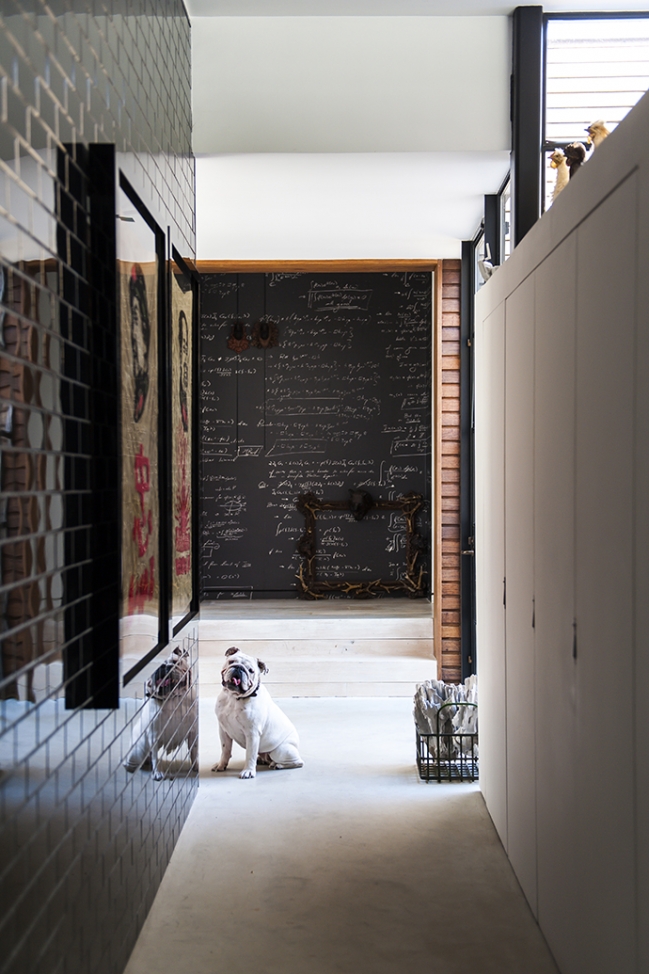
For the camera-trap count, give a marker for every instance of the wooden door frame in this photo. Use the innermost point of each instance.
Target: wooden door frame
(378, 267)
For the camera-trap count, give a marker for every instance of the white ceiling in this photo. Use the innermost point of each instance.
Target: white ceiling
(352, 84)
(341, 129)
(392, 8)
(342, 206)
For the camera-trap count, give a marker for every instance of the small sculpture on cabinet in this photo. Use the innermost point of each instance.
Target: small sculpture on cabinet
(597, 132)
(575, 156)
(558, 162)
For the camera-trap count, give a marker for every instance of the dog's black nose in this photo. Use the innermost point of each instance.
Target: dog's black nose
(236, 675)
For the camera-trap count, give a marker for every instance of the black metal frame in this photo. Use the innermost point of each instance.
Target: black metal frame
(479, 237)
(106, 564)
(492, 228)
(164, 459)
(467, 462)
(526, 112)
(91, 658)
(437, 767)
(506, 184)
(195, 479)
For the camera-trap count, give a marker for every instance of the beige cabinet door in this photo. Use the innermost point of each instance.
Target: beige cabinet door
(606, 281)
(554, 600)
(490, 561)
(519, 574)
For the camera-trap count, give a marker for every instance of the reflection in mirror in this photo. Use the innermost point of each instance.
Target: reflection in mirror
(31, 557)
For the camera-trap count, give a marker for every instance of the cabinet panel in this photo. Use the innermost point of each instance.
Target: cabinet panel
(554, 539)
(604, 582)
(490, 562)
(641, 527)
(519, 573)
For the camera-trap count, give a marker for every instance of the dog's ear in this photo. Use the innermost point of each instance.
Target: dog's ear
(231, 651)
(262, 666)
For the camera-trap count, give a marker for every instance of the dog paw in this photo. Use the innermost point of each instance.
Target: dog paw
(158, 775)
(219, 767)
(247, 774)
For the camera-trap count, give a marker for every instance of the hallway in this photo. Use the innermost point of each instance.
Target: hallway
(348, 864)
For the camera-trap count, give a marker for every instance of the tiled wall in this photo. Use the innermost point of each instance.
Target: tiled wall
(83, 842)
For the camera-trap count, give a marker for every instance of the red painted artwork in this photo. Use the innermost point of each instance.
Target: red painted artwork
(183, 515)
(142, 586)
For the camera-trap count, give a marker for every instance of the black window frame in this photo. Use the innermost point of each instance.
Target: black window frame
(550, 145)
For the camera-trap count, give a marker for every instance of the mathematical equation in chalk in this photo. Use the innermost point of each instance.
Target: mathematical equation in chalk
(341, 402)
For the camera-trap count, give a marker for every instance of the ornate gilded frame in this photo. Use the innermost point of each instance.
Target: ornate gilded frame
(413, 583)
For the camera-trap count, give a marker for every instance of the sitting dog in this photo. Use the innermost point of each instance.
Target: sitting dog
(168, 718)
(247, 715)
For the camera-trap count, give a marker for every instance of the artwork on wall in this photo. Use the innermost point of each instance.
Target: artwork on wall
(238, 341)
(412, 581)
(183, 349)
(265, 334)
(332, 393)
(140, 267)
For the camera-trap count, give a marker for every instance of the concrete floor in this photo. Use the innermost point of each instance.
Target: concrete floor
(349, 864)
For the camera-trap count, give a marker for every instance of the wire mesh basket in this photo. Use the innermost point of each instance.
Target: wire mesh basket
(447, 756)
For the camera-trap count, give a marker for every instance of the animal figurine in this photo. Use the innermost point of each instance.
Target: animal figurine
(558, 162)
(597, 132)
(360, 502)
(238, 340)
(485, 265)
(575, 156)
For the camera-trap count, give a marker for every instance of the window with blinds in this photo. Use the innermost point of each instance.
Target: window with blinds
(596, 69)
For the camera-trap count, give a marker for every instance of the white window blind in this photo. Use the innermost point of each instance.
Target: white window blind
(595, 69)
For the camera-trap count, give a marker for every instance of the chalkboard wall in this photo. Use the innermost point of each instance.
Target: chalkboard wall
(342, 401)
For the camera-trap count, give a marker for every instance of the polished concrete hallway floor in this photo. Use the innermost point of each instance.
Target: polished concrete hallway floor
(348, 865)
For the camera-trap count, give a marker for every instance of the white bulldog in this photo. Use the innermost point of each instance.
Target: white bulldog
(248, 715)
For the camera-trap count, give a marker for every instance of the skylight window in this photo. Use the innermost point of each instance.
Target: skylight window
(595, 69)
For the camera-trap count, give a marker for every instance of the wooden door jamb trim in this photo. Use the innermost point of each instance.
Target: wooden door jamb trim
(379, 266)
(437, 470)
(313, 266)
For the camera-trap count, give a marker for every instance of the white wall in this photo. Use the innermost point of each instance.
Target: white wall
(350, 84)
(347, 137)
(389, 8)
(341, 206)
(566, 521)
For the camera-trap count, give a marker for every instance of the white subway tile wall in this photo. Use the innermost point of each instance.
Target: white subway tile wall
(83, 842)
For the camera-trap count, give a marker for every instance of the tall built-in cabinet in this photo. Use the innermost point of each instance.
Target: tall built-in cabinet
(554, 595)
(519, 583)
(490, 537)
(562, 492)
